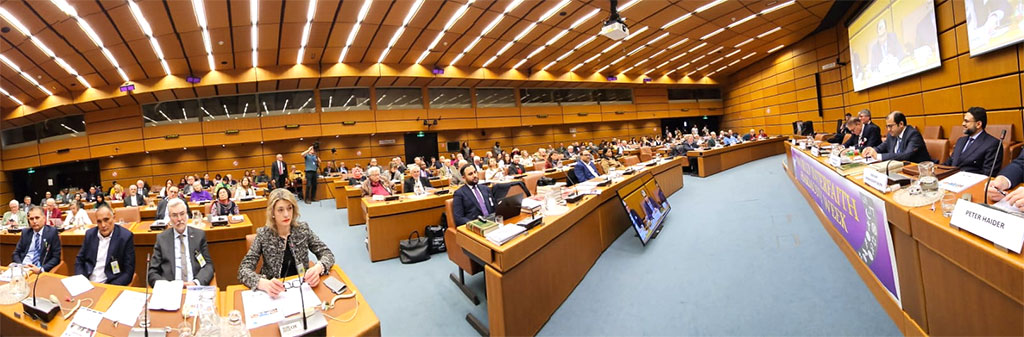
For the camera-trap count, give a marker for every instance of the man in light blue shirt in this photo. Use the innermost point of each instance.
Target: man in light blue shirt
(312, 167)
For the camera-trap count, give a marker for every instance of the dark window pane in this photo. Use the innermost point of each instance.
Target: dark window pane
(399, 98)
(344, 99)
(449, 98)
(495, 97)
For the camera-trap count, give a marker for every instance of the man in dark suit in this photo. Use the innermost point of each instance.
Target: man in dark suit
(886, 49)
(870, 135)
(903, 143)
(977, 151)
(161, 207)
(279, 172)
(91, 195)
(585, 169)
(180, 252)
(516, 167)
(855, 127)
(1011, 176)
(471, 200)
(409, 185)
(39, 246)
(134, 198)
(108, 251)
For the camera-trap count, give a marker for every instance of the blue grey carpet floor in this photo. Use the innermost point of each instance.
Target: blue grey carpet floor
(742, 253)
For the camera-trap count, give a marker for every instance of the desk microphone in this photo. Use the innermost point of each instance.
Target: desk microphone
(44, 311)
(46, 249)
(302, 301)
(993, 168)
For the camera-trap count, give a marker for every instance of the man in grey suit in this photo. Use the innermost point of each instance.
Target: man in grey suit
(181, 252)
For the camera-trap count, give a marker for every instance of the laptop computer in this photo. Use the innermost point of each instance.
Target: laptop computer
(509, 206)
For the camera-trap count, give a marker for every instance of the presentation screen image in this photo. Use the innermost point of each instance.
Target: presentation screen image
(892, 39)
(646, 206)
(992, 24)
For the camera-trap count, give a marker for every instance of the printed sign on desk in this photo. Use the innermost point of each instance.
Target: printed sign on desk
(857, 214)
(1003, 229)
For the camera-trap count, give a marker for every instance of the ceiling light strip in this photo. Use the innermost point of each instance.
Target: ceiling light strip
(762, 35)
(778, 7)
(447, 26)
(487, 29)
(776, 48)
(15, 99)
(27, 77)
(310, 12)
(65, 7)
(405, 23)
(200, 12)
(551, 12)
(42, 46)
(254, 15)
(140, 19)
(355, 29)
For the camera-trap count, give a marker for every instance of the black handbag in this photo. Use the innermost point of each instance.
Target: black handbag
(435, 238)
(413, 250)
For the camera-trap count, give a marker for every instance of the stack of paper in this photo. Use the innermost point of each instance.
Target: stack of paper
(194, 296)
(261, 309)
(126, 307)
(504, 233)
(84, 324)
(76, 285)
(961, 181)
(166, 295)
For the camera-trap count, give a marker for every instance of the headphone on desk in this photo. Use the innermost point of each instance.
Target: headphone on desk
(330, 304)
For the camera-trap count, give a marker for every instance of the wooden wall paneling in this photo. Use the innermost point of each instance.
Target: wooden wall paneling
(347, 116)
(497, 112)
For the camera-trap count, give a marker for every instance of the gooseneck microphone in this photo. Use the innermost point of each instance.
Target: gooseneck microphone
(46, 249)
(145, 308)
(46, 310)
(992, 169)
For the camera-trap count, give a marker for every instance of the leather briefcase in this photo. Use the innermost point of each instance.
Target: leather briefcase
(414, 250)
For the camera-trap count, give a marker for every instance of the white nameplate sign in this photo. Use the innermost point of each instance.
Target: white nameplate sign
(1001, 228)
(877, 180)
(815, 151)
(835, 161)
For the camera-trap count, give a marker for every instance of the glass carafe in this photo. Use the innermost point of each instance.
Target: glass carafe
(926, 176)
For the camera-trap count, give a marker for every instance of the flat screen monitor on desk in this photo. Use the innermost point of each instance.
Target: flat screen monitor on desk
(646, 206)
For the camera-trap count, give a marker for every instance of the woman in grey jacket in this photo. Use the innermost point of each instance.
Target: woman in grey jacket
(283, 244)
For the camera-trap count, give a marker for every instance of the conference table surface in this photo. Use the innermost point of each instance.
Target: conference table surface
(226, 245)
(719, 159)
(530, 276)
(951, 281)
(363, 323)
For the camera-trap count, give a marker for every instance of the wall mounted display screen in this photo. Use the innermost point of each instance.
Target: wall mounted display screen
(892, 39)
(993, 24)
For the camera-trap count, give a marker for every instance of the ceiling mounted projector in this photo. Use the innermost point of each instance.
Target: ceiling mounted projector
(615, 30)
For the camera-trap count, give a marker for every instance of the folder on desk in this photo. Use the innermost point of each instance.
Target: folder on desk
(503, 234)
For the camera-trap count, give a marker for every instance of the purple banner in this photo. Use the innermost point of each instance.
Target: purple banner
(856, 213)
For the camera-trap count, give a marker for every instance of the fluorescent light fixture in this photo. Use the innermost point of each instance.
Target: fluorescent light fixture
(401, 29)
(576, 67)
(254, 14)
(662, 36)
(717, 60)
(749, 55)
(776, 48)
(447, 26)
(583, 19)
(65, 7)
(627, 5)
(702, 67)
(709, 35)
(708, 6)
(638, 49)
(200, 13)
(310, 12)
(42, 46)
(778, 7)
(140, 19)
(603, 68)
(698, 59)
(516, 66)
(548, 65)
(618, 59)
(677, 20)
(684, 40)
(678, 56)
(24, 75)
(495, 57)
(741, 44)
(635, 33)
(494, 22)
(616, 44)
(734, 52)
(734, 62)
(741, 21)
(762, 35)
(716, 50)
(15, 99)
(690, 73)
(699, 46)
(355, 28)
(720, 69)
(662, 64)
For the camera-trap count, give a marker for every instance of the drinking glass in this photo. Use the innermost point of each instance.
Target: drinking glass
(948, 203)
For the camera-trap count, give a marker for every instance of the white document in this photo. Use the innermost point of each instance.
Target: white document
(259, 309)
(166, 295)
(504, 233)
(76, 285)
(84, 324)
(961, 181)
(126, 307)
(193, 297)
(1006, 207)
(290, 302)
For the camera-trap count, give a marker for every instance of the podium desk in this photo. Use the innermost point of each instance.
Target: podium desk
(530, 276)
(354, 197)
(363, 320)
(388, 222)
(337, 188)
(720, 159)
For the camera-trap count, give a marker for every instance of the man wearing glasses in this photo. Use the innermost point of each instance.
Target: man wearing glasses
(181, 252)
(904, 142)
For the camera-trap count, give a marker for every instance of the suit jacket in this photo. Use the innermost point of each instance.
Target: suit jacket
(161, 265)
(515, 169)
(50, 237)
(121, 249)
(911, 148)
(409, 184)
(870, 136)
(853, 142)
(978, 157)
(270, 247)
(465, 208)
(1015, 171)
(161, 208)
(138, 198)
(368, 189)
(274, 170)
(22, 221)
(582, 173)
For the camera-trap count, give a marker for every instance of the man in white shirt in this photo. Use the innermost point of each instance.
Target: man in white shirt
(108, 251)
(181, 252)
(134, 198)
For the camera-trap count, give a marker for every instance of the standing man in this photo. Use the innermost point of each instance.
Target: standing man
(312, 167)
(39, 246)
(181, 252)
(977, 151)
(279, 172)
(108, 251)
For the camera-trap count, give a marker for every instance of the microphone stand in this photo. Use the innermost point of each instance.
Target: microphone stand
(46, 249)
(145, 308)
(992, 169)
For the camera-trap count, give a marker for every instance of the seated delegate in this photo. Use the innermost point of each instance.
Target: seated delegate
(284, 244)
(39, 246)
(108, 251)
(181, 252)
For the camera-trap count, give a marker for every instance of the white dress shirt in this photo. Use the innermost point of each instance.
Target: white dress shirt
(182, 271)
(79, 218)
(30, 255)
(98, 275)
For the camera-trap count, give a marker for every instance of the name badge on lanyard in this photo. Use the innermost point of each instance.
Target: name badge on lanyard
(114, 267)
(200, 259)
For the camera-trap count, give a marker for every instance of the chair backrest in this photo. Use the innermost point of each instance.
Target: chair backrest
(629, 160)
(821, 136)
(847, 137)
(515, 189)
(128, 214)
(538, 166)
(531, 181)
(938, 149)
(448, 213)
(455, 253)
(92, 214)
(645, 153)
(932, 132)
(248, 244)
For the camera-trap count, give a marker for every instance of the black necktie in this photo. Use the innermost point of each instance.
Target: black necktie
(969, 141)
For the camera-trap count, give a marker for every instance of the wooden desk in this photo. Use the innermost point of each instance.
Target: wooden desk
(337, 188)
(717, 160)
(529, 277)
(364, 323)
(354, 199)
(951, 282)
(149, 212)
(388, 222)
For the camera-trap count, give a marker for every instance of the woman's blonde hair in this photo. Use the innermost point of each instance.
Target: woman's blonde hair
(279, 195)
